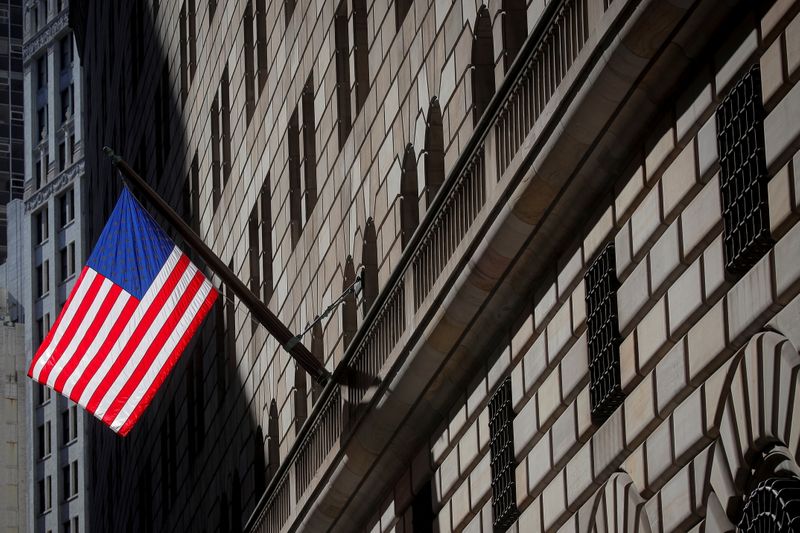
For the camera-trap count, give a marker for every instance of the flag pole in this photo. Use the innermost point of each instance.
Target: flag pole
(258, 308)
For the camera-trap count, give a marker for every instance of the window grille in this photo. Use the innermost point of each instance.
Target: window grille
(743, 174)
(503, 464)
(603, 338)
(774, 505)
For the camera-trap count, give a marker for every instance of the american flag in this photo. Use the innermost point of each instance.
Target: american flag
(135, 306)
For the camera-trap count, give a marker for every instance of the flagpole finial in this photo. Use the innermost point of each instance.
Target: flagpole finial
(113, 156)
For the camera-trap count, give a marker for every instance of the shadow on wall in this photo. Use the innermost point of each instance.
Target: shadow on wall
(203, 452)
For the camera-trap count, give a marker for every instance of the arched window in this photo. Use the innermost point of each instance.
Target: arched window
(370, 258)
(434, 152)
(259, 464)
(295, 193)
(409, 196)
(300, 398)
(309, 149)
(360, 52)
(342, 58)
(349, 318)
(273, 451)
(482, 63)
(515, 29)
(266, 239)
(318, 351)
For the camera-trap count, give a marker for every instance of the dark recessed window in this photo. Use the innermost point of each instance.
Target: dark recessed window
(503, 464)
(603, 338)
(743, 174)
(774, 505)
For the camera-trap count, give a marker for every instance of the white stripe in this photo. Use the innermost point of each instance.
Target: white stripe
(163, 355)
(102, 336)
(146, 341)
(131, 326)
(80, 333)
(67, 316)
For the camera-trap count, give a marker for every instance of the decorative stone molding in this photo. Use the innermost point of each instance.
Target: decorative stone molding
(42, 195)
(45, 35)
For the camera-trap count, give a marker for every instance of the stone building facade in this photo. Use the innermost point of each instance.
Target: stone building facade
(576, 227)
(51, 245)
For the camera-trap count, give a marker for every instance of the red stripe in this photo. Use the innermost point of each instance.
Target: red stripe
(89, 337)
(205, 307)
(105, 349)
(141, 329)
(171, 322)
(46, 342)
(69, 333)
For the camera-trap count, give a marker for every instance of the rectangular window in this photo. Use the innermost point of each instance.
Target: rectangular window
(66, 110)
(602, 337)
(69, 424)
(65, 49)
(44, 440)
(67, 261)
(37, 169)
(42, 225)
(44, 278)
(62, 156)
(743, 174)
(41, 71)
(503, 463)
(66, 480)
(41, 496)
(41, 117)
(74, 478)
(39, 330)
(66, 207)
(67, 526)
(43, 393)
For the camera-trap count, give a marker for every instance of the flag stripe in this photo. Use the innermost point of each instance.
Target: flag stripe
(136, 322)
(100, 319)
(149, 349)
(117, 327)
(158, 375)
(68, 330)
(98, 299)
(63, 322)
(168, 338)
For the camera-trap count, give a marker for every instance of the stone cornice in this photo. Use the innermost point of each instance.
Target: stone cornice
(45, 35)
(42, 195)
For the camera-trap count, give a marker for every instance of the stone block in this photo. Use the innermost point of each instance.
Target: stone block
(522, 339)
(575, 369)
(569, 272)
(659, 454)
(480, 481)
(781, 128)
(440, 445)
(448, 472)
(622, 250)
(544, 304)
(792, 39)
(579, 481)
(468, 448)
(707, 343)
(714, 276)
(578, 300)
(499, 368)
(632, 295)
(583, 414)
(608, 444)
(521, 480)
(460, 506)
(598, 235)
(525, 428)
(443, 519)
(750, 299)
(538, 463)
(530, 517)
(684, 299)
(671, 378)
(665, 257)
(535, 363)
(553, 501)
(771, 72)
(733, 60)
(640, 412)
(701, 218)
(559, 332)
(787, 265)
(781, 210)
(659, 147)
(634, 465)
(517, 386)
(483, 428)
(689, 437)
(707, 150)
(701, 96)
(676, 501)
(651, 336)
(628, 364)
(549, 396)
(646, 223)
(477, 397)
(678, 180)
(563, 435)
(774, 18)
(631, 191)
